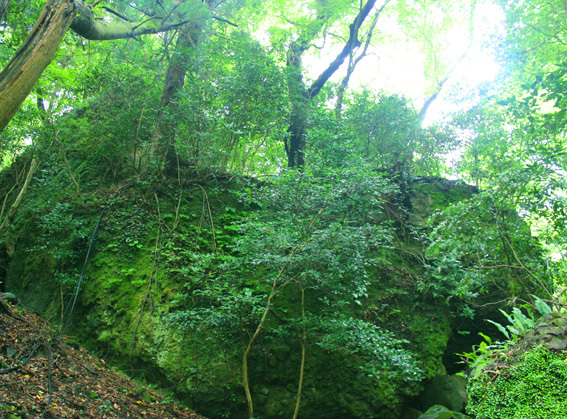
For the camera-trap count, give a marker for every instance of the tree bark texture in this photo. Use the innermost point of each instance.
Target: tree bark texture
(301, 96)
(39, 48)
(4, 5)
(88, 27)
(295, 141)
(37, 51)
(349, 46)
(163, 134)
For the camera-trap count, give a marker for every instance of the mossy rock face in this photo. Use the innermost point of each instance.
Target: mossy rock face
(550, 332)
(130, 289)
(525, 381)
(428, 194)
(445, 390)
(333, 385)
(424, 323)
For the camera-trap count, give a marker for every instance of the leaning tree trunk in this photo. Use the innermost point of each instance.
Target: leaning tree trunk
(39, 48)
(37, 51)
(164, 131)
(353, 62)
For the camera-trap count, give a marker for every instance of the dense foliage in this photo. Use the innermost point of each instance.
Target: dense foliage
(317, 258)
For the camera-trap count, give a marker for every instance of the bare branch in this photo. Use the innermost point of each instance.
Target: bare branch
(109, 10)
(350, 45)
(225, 21)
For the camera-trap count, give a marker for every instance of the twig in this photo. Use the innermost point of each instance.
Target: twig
(225, 21)
(109, 10)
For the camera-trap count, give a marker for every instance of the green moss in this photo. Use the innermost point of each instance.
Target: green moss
(431, 194)
(534, 387)
(424, 323)
(109, 319)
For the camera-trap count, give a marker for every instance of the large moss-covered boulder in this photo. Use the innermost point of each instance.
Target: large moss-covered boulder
(150, 258)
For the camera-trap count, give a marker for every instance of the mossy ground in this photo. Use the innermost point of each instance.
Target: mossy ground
(533, 386)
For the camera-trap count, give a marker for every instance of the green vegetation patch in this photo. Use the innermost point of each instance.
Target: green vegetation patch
(534, 387)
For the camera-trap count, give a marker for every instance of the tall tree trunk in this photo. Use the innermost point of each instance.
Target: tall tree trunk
(37, 51)
(164, 132)
(295, 141)
(301, 96)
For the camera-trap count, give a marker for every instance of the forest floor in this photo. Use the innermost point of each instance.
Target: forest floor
(39, 380)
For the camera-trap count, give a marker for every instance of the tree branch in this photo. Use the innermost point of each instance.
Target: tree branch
(109, 10)
(441, 83)
(350, 45)
(353, 61)
(88, 27)
(225, 21)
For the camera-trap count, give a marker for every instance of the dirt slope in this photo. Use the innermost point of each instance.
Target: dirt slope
(73, 385)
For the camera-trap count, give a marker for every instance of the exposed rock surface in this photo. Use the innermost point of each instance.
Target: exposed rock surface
(445, 390)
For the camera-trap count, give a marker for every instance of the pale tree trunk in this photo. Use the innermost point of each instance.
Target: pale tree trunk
(11, 214)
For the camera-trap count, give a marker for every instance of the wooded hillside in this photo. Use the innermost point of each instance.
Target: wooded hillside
(285, 209)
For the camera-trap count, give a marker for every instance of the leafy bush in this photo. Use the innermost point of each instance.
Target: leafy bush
(299, 268)
(481, 246)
